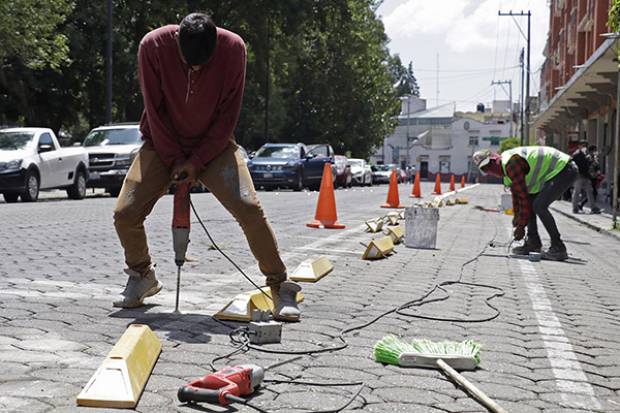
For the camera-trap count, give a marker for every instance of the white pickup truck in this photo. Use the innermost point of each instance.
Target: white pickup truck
(31, 159)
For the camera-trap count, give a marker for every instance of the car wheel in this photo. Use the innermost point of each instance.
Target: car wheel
(31, 191)
(10, 197)
(78, 189)
(114, 192)
(300, 183)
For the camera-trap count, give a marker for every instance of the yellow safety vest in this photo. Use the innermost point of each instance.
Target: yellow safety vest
(545, 163)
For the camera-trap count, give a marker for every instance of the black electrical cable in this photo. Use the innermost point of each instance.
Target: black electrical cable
(224, 254)
(244, 344)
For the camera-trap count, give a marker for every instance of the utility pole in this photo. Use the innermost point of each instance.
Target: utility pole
(525, 133)
(437, 83)
(267, 77)
(108, 67)
(521, 95)
(509, 83)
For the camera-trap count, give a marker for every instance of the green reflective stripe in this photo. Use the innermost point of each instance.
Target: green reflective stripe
(533, 178)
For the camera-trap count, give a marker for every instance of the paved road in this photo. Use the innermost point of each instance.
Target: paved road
(554, 348)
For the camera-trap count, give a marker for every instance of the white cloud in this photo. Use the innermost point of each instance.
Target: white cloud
(423, 17)
(465, 25)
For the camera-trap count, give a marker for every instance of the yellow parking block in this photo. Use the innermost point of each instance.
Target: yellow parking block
(120, 380)
(378, 248)
(241, 306)
(312, 270)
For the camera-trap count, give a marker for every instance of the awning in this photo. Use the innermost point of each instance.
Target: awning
(592, 86)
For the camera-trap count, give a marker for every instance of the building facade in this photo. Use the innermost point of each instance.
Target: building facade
(440, 140)
(579, 82)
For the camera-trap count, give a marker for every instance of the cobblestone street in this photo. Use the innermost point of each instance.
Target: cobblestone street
(554, 348)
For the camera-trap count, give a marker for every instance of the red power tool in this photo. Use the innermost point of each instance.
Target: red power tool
(180, 228)
(224, 386)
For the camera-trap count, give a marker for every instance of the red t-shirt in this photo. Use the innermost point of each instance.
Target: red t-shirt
(190, 114)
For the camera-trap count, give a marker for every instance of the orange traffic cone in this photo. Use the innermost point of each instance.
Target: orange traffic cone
(463, 181)
(437, 190)
(325, 216)
(452, 187)
(416, 193)
(393, 201)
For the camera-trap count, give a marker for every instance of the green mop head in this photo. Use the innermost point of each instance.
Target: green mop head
(425, 353)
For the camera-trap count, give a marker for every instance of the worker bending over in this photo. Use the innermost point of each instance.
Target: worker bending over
(192, 79)
(536, 176)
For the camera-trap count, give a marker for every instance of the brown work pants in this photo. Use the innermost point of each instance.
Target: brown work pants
(228, 179)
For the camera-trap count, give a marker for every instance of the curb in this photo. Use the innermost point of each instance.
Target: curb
(587, 224)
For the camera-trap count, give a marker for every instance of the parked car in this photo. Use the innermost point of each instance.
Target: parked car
(31, 159)
(382, 173)
(361, 172)
(111, 149)
(344, 177)
(288, 165)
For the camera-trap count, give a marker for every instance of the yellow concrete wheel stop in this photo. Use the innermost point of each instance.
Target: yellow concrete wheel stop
(121, 378)
(241, 306)
(393, 218)
(378, 248)
(374, 225)
(396, 233)
(312, 270)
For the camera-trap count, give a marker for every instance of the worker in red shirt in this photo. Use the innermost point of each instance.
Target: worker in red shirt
(192, 79)
(536, 176)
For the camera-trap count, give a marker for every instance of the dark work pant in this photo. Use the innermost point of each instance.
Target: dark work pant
(551, 191)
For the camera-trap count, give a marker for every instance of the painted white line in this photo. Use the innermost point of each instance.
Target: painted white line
(330, 250)
(458, 191)
(571, 381)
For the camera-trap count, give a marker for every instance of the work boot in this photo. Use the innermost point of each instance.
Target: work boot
(284, 297)
(139, 286)
(531, 244)
(556, 252)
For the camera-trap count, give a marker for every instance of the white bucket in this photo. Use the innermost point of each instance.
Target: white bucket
(421, 227)
(507, 202)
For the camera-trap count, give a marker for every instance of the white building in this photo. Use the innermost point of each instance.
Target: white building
(442, 140)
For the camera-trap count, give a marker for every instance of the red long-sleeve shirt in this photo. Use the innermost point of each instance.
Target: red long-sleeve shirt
(190, 114)
(516, 169)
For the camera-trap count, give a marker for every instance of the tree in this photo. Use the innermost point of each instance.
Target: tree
(32, 45)
(509, 143)
(317, 71)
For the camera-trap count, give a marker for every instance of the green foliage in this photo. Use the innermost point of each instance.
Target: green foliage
(318, 71)
(509, 143)
(614, 16)
(613, 21)
(29, 32)
(403, 77)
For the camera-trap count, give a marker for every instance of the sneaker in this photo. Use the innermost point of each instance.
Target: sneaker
(139, 286)
(532, 244)
(555, 253)
(595, 211)
(285, 307)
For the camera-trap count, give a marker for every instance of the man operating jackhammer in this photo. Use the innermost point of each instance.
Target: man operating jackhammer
(192, 78)
(537, 176)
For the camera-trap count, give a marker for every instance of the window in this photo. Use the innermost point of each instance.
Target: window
(46, 139)
(473, 141)
(444, 164)
(494, 141)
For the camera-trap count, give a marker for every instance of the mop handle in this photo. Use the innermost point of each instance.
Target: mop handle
(485, 400)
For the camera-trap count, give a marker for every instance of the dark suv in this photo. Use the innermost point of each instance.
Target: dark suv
(289, 165)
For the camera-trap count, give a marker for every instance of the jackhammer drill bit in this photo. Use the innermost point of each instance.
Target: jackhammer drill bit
(180, 229)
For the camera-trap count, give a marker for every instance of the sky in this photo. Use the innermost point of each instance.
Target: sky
(474, 46)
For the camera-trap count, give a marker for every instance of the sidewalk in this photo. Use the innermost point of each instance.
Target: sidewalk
(599, 222)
